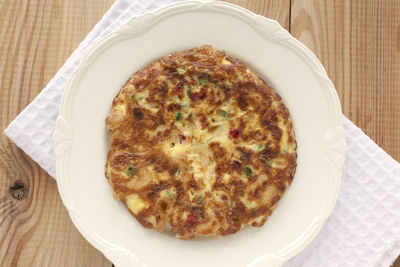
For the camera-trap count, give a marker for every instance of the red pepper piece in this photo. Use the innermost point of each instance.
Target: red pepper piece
(191, 220)
(182, 138)
(234, 133)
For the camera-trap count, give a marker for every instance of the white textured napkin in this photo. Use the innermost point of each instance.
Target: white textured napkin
(364, 228)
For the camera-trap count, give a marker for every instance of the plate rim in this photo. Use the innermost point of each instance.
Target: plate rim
(333, 140)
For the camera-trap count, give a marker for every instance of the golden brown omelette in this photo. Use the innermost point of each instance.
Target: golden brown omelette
(200, 145)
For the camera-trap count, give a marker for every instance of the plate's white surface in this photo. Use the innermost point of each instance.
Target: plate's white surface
(81, 140)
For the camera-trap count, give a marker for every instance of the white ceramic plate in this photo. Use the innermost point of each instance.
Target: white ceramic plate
(81, 140)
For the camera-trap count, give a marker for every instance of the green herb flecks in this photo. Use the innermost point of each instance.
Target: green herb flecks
(260, 147)
(224, 113)
(204, 77)
(180, 71)
(248, 171)
(178, 171)
(201, 200)
(202, 81)
(269, 162)
(208, 72)
(183, 105)
(178, 116)
(169, 194)
(131, 171)
(223, 85)
(227, 85)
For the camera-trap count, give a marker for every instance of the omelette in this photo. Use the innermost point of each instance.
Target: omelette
(200, 145)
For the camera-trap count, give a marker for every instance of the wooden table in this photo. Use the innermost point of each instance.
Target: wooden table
(358, 42)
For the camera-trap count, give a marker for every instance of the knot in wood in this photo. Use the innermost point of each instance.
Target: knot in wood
(18, 190)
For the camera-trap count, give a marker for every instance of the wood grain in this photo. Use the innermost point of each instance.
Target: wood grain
(36, 37)
(357, 41)
(278, 10)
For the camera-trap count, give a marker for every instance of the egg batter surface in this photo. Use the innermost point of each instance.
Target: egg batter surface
(200, 144)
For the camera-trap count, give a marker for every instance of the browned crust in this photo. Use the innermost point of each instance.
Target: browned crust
(141, 130)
